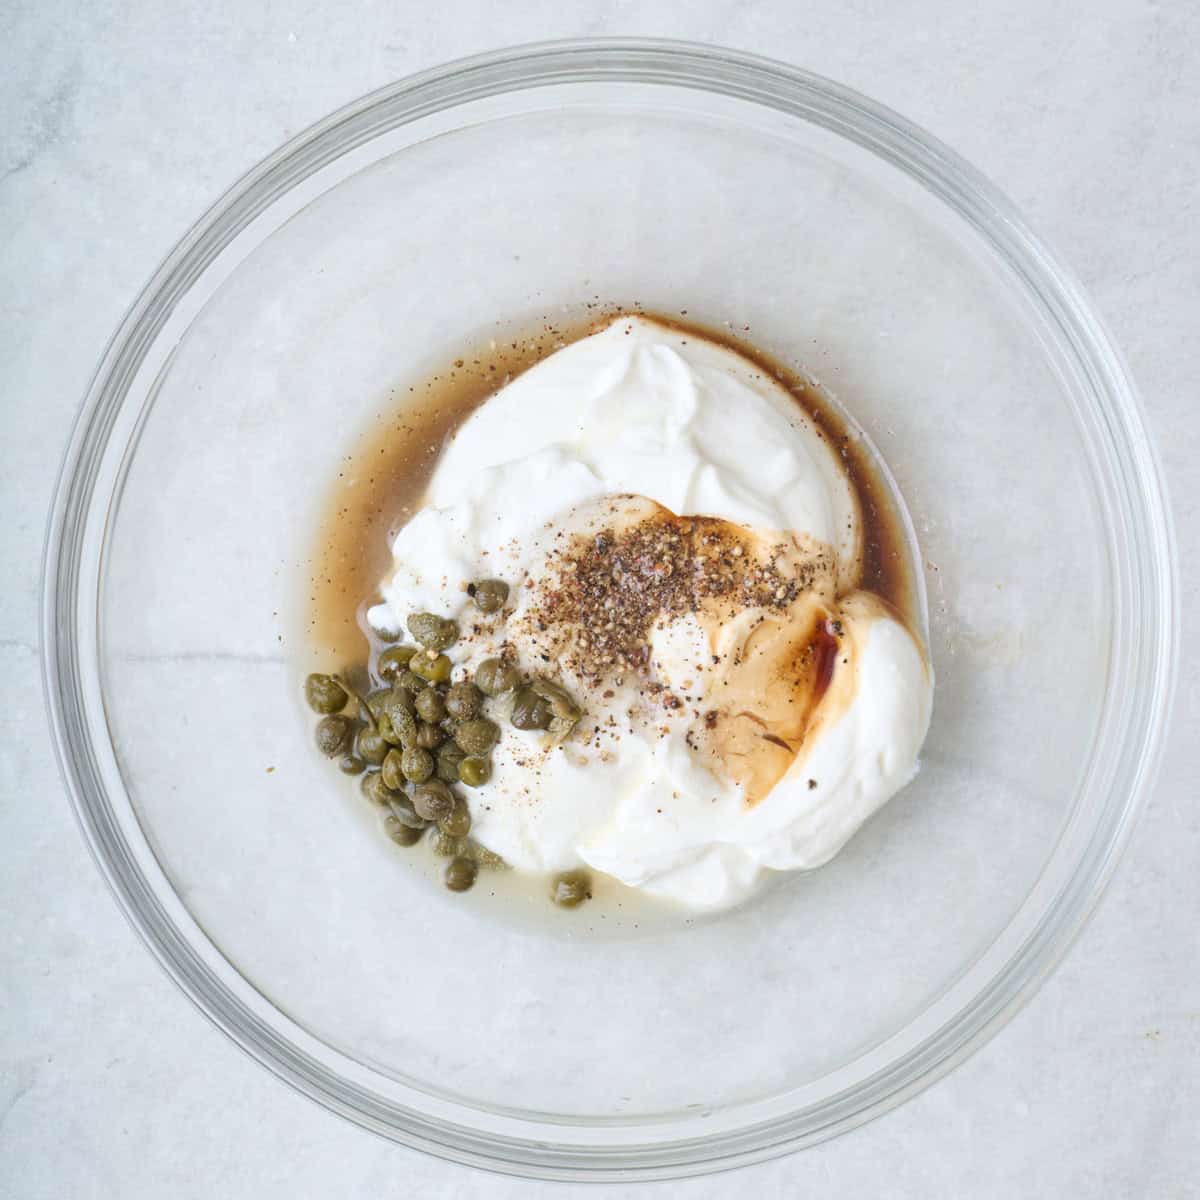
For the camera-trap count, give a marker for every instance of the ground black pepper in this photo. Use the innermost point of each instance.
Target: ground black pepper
(602, 595)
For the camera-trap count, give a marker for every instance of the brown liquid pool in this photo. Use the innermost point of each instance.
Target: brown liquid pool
(381, 483)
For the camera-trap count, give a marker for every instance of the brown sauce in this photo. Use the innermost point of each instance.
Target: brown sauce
(825, 649)
(382, 479)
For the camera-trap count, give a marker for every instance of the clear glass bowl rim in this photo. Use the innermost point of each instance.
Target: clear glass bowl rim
(1147, 606)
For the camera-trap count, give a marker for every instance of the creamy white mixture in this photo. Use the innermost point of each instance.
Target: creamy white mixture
(639, 410)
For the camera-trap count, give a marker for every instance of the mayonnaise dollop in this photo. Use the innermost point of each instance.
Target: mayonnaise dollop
(733, 774)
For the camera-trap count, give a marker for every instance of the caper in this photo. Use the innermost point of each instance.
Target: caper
(333, 732)
(417, 764)
(571, 889)
(324, 694)
(448, 757)
(463, 700)
(445, 846)
(383, 726)
(401, 834)
(429, 737)
(433, 800)
(457, 822)
(377, 701)
(392, 770)
(530, 711)
(398, 698)
(411, 682)
(351, 764)
(430, 706)
(475, 770)
(493, 677)
(404, 812)
(404, 725)
(460, 874)
(477, 736)
(489, 594)
(564, 712)
(430, 666)
(371, 745)
(393, 660)
(376, 790)
(432, 631)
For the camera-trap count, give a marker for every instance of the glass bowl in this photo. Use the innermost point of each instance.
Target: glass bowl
(831, 233)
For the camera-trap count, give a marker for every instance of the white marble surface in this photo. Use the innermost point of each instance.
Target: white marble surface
(120, 122)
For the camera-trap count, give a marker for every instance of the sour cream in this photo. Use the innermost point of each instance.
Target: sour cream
(756, 736)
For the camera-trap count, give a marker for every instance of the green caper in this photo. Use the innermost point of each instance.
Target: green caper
(448, 757)
(410, 681)
(463, 700)
(392, 770)
(435, 668)
(460, 874)
(432, 631)
(433, 800)
(564, 712)
(393, 660)
(530, 711)
(494, 677)
(445, 846)
(571, 889)
(333, 732)
(404, 812)
(489, 594)
(376, 702)
(430, 706)
(429, 737)
(401, 834)
(383, 726)
(475, 770)
(398, 698)
(477, 736)
(351, 764)
(387, 635)
(404, 725)
(324, 694)
(376, 790)
(417, 764)
(457, 822)
(371, 745)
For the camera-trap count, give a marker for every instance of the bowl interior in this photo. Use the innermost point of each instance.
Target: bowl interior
(348, 287)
